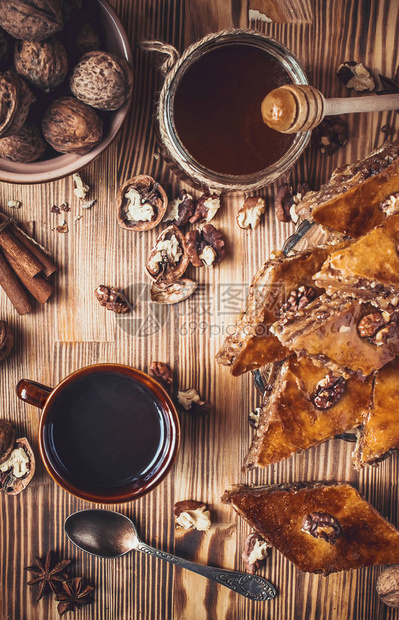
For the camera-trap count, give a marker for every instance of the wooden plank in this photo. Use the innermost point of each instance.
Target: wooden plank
(72, 330)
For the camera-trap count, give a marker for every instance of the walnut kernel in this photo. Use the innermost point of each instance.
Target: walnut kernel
(255, 552)
(112, 299)
(180, 209)
(250, 213)
(192, 515)
(206, 208)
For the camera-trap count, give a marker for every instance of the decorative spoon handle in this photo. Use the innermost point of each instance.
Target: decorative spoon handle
(293, 108)
(251, 586)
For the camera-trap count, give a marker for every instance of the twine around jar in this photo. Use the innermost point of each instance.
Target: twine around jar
(169, 69)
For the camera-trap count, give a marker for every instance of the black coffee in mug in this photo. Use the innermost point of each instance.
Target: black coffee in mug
(108, 433)
(104, 430)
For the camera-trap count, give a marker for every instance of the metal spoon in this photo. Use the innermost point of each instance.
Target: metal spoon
(109, 534)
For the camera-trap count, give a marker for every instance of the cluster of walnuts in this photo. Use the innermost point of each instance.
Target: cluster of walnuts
(39, 105)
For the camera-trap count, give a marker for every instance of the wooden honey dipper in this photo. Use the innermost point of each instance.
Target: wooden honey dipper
(293, 108)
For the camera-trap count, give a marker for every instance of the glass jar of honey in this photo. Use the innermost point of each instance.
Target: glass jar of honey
(210, 127)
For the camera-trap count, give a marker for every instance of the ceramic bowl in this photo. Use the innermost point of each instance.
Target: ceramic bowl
(115, 40)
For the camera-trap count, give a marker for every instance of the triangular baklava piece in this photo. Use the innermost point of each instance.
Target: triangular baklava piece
(380, 434)
(280, 280)
(352, 202)
(320, 528)
(307, 405)
(367, 268)
(342, 333)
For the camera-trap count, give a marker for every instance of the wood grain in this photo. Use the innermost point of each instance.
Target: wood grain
(72, 330)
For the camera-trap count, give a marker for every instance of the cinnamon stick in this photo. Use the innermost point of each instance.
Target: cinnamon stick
(13, 288)
(38, 286)
(34, 248)
(15, 248)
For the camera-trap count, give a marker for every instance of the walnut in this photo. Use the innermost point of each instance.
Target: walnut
(43, 63)
(17, 470)
(71, 126)
(330, 135)
(370, 324)
(15, 99)
(172, 293)
(355, 75)
(378, 327)
(322, 525)
(388, 586)
(205, 246)
(102, 80)
(250, 213)
(190, 400)
(81, 189)
(69, 8)
(161, 373)
(112, 299)
(141, 203)
(5, 49)
(31, 20)
(180, 209)
(87, 39)
(390, 205)
(192, 515)
(253, 417)
(168, 259)
(328, 392)
(298, 299)
(24, 146)
(206, 208)
(6, 341)
(255, 552)
(283, 202)
(7, 439)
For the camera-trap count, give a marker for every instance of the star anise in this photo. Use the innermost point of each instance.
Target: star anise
(47, 575)
(74, 595)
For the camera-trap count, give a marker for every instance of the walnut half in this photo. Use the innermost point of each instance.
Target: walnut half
(168, 258)
(192, 515)
(17, 471)
(205, 246)
(141, 203)
(255, 551)
(250, 213)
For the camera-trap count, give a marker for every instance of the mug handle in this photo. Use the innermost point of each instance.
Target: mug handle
(33, 393)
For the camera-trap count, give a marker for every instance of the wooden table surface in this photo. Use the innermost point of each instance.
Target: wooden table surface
(72, 330)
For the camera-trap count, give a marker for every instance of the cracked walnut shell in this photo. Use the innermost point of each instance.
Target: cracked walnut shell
(71, 126)
(168, 259)
(15, 99)
(43, 63)
(141, 203)
(7, 440)
(102, 80)
(17, 471)
(31, 20)
(24, 146)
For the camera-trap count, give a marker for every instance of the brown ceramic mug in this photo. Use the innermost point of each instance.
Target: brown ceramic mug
(108, 433)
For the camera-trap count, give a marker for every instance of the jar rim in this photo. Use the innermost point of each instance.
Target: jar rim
(179, 155)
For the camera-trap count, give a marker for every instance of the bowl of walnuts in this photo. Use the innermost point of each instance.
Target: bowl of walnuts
(65, 86)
